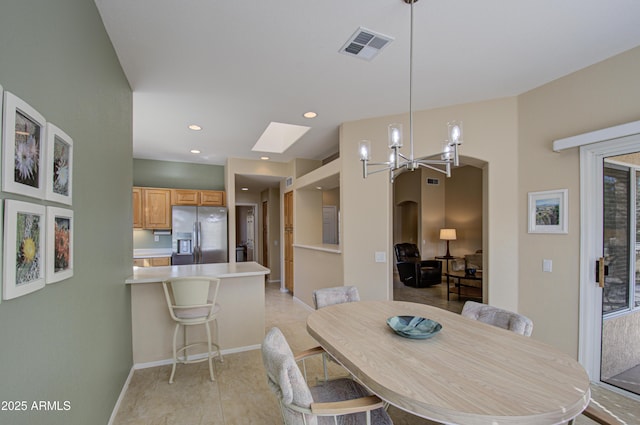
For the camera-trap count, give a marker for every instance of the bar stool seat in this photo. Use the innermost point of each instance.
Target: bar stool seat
(192, 301)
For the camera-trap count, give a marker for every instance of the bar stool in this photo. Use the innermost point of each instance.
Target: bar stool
(192, 301)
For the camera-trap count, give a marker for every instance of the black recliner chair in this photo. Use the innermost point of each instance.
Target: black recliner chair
(416, 272)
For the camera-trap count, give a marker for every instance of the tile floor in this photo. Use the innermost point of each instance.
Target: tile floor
(240, 395)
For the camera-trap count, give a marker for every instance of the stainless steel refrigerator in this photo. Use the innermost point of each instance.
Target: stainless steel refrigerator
(199, 235)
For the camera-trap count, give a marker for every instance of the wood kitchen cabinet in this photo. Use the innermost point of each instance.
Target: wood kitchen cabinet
(137, 208)
(152, 262)
(214, 198)
(156, 205)
(288, 241)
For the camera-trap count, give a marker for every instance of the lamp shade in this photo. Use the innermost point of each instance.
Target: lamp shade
(448, 234)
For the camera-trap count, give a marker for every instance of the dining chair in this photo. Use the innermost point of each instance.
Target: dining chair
(329, 296)
(340, 400)
(336, 295)
(498, 317)
(191, 302)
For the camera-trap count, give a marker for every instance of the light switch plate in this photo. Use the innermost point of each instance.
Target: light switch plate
(381, 257)
(547, 265)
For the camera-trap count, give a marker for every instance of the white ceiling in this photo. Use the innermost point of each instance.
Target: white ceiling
(235, 66)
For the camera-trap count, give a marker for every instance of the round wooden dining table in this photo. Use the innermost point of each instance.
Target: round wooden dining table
(468, 373)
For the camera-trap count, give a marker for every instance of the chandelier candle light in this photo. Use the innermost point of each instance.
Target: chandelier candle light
(398, 162)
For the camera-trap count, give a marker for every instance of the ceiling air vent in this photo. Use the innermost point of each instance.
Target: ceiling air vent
(365, 44)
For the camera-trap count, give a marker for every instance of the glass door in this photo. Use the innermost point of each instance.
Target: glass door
(620, 354)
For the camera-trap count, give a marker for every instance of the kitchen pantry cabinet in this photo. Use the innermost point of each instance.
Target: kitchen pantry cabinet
(137, 208)
(152, 262)
(156, 205)
(213, 198)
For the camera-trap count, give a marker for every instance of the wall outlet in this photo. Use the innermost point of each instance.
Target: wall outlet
(156, 238)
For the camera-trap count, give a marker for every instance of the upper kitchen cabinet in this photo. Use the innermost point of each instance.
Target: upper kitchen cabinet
(157, 208)
(137, 208)
(213, 198)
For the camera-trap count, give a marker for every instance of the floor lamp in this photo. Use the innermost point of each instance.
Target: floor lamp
(448, 235)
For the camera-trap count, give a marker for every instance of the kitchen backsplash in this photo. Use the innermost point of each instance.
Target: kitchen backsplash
(145, 239)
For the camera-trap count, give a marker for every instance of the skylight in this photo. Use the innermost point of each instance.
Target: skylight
(278, 137)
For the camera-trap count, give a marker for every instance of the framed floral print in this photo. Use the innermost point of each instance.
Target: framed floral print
(23, 131)
(59, 165)
(59, 244)
(24, 242)
(548, 211)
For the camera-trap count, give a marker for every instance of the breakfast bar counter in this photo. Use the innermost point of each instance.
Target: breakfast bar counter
(240, 321)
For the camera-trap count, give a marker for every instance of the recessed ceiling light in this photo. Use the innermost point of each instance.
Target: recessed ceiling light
(196, 151)
(310, 114)
(264, 158)
(319, 187)
(195, 127)
(245, 188)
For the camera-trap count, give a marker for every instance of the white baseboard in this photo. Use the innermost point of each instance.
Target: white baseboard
(305, 305)
(273, 281)
(195, 357)
(121, 397)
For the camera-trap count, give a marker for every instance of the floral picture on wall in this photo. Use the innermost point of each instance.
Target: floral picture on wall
(23, 134)
(24, 261)
(59, 165)
(59, 244)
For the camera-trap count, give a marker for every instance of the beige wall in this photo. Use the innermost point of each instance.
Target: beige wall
(433, 214)
(463, 209)
(600, 96)
(313, 270)
(272, 196)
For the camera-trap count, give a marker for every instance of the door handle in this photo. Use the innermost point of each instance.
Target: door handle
(602, 270)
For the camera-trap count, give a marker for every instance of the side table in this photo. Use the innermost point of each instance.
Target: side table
(447, 259)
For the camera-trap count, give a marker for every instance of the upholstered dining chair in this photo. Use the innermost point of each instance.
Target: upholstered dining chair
(341, 400)
(192, 301)
(336, 295)
(498, 317)
(329, 296)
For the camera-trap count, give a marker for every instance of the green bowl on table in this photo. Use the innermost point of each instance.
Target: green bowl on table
(414, 327)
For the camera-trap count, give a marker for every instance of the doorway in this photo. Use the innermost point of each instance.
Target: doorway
(609, 318)
(246, 232)
(620, 356)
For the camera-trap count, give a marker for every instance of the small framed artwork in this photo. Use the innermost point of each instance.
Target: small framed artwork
(59, 165)
(548, 211)
(59, 244)
(24, 242)
(23, 131)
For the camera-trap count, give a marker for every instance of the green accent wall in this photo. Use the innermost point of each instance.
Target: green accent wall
(177, 175)
(71, 341)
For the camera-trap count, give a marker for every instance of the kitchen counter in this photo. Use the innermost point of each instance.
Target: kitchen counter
(152, 253)
(219, 270)
(241, 319)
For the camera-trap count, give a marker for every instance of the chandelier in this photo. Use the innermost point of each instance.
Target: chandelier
(398, 162)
